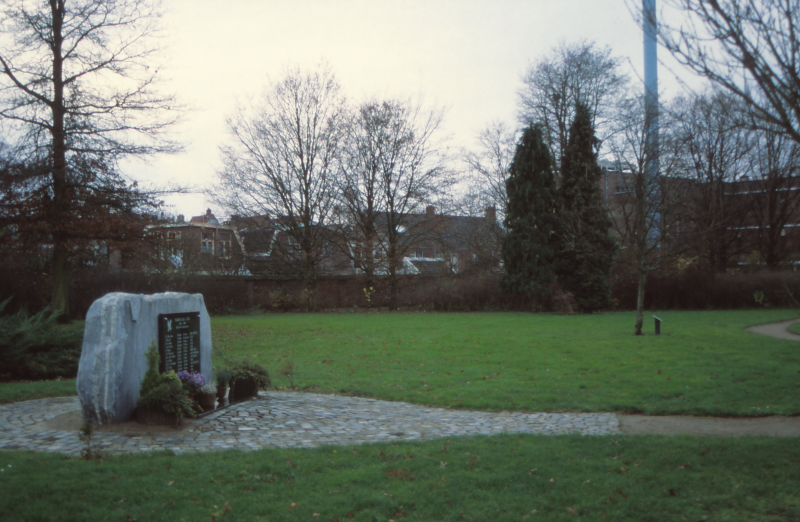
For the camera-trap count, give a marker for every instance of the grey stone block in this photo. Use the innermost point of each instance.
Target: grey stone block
(119, 329)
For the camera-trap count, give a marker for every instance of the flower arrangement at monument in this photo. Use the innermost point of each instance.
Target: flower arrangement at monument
(162, 396)
(206, 395)
(247, 378)
(223, 377)
(191, 381)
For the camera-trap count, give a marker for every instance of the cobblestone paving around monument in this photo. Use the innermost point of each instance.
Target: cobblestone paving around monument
(288, 419)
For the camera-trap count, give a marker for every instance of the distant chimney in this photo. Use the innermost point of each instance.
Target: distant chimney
(208, 215)
(430, 211)
(490, 214)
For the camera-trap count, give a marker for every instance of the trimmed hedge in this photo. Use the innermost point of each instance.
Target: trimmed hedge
(687, 290)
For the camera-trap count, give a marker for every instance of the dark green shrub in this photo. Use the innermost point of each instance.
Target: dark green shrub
(163, 391)
(246, 369)
(223, 377)
(36, 347)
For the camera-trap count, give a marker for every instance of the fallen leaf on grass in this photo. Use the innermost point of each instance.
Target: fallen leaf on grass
(171, 482)
(292, 505)
(442, 464)
(531, 472)
(316, 515)
(196, 500)
(602, 515)
(553, 480)
(400, 474)
(572, 511)
(249, 488)
(349, 514)
(624, 496)
(673, 493)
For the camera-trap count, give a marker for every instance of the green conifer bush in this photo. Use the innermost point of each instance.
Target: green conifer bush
(530, 218)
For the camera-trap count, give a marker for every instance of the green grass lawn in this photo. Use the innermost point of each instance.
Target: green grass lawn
(26, 391)
(511, 477)
(704, 363)
(794, 328)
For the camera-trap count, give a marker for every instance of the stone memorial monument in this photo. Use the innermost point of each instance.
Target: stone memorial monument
(119, 330)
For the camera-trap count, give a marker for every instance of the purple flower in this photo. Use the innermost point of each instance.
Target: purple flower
(192, 380)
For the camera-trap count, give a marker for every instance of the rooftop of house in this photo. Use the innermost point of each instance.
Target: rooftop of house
(206, 219)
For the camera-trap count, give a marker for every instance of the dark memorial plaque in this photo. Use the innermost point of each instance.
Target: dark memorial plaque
(179, 342)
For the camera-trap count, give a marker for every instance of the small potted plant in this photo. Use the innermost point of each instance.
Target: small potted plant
(206, 396)
(223, 381)
(246, 379)
(162, 397)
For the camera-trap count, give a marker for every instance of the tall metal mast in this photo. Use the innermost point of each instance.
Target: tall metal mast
(651, 109)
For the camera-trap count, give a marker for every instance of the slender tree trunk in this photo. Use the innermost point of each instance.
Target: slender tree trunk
(642, 233)
(368, 265)
(60, 258)
(637, 329)
(392, 276)
(311, 284)
(310, 276)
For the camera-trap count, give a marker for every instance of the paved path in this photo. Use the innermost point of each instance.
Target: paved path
(778, 330)
(280, 419)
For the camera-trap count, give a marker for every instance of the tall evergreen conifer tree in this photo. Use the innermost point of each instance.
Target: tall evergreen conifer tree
(530, 218)
(584, 249)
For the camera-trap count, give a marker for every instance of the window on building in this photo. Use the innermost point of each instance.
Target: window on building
(225, 249)
(207, 244)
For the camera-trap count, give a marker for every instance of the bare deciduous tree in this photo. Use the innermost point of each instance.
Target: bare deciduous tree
(713, 147)
(394, 168)
(77, 86)
(282, 162)
(750, 48)
(366, 147)
(572, 73)
(488, 167)
(643, 210)
(774, 165)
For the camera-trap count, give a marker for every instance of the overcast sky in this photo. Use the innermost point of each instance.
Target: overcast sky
(464, 55)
